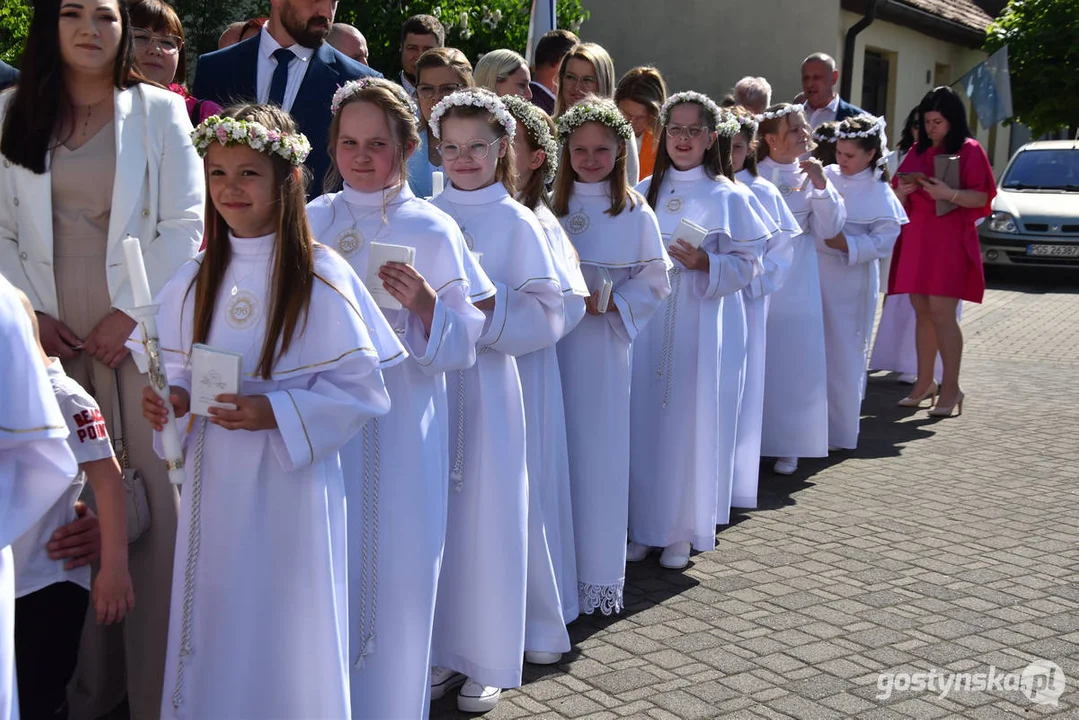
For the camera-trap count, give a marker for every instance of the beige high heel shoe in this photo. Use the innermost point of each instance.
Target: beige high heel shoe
(943, 412)
(916, 402)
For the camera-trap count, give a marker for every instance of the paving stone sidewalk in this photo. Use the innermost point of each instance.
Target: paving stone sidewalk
(939, 544)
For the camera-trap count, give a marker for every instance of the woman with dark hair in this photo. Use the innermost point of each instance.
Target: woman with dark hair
(161, 54)
(67, 200)
(938, 260)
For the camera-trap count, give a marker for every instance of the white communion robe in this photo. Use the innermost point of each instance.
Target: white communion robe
(259, 624)
(778, 256)
(552, 566)
(849, 283)
(480, 608)
(678, 410)
(795, 376)
(595, 361)
(395, 470)
(36, 465)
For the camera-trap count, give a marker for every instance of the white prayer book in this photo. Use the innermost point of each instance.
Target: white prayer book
(605, 288)
(213, 372)
(692, 233)
(378, 255)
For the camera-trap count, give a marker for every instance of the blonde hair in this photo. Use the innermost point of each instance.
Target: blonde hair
(496, 66)
(601, 63)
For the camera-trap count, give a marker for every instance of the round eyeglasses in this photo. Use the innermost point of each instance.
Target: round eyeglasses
(144, 39)
(473, 149)
(689, 132)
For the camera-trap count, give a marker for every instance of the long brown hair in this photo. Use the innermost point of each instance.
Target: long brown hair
(619, 190)
(601, 62)
(293, 265)
(716, 161)
(771, 126)
(506, 169)
(534, 191)
(748, 131)
(390, 98)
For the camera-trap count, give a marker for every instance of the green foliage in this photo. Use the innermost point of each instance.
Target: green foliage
(14, 25)
(1043, 57)
(473, 28)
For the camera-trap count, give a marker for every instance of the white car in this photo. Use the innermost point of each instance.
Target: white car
(1035, 219)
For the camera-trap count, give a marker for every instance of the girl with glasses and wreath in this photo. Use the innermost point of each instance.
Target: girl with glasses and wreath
(395, 470)
(480, 611)
(618, 240)
(680, 403)
(259, 624)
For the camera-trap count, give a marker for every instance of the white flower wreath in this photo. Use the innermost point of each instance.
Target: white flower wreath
(781, 112)
(293, 147)
(530, 116)
(747, 121)
(473, 97)
(819, 137)
(877, 128)
(354, 86)
(726, 124)
(586, 112)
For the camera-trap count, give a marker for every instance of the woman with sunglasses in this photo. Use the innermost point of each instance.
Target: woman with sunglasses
(160, 54)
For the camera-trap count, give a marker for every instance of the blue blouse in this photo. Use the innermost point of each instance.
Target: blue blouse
(420, 168)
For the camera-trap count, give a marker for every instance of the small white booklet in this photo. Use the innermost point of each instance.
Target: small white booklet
(213, 372)
(690, 232)
(378, 255)
(605, 288)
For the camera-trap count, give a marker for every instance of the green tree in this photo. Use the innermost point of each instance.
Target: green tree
(1043, 56)
(14, 25)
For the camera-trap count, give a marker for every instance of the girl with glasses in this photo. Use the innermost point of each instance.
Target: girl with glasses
(480, 611)
(439, 72)
(161, 56)
(683, 413)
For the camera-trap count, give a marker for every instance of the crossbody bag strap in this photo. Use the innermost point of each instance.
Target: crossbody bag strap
(119, 444)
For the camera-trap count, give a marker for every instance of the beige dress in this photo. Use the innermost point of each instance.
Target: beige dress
(82, 185)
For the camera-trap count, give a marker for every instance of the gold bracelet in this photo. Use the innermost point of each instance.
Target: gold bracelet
(954, 196)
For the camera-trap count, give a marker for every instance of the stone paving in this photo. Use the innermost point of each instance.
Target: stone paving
(939, 544)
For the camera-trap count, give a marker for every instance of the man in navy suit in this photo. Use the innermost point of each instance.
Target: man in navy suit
(823, 104)
(8, 75)
(288, 64)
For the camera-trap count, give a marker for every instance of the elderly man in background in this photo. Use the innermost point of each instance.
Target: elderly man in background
(753, 93)
(822, 102)
(348, 41)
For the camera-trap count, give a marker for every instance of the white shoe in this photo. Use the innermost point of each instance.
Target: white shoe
(907, 378)
(675, 556)
(542, 658)
(443, 680)
(786, 465)
(635, 552)
(476, 698)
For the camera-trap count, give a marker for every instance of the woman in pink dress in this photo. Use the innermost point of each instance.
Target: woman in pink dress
(938, 259)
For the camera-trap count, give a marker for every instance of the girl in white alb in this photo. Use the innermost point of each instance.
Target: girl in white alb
(395, 470)
(480, 609)
(677, 452)
(850, 268)
(552, 565)
(795, 386)
(618, 240)
(258, 626)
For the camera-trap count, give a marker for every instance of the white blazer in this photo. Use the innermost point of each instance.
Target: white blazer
(158, 196)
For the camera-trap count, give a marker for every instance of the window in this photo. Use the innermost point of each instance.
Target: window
(876, 72)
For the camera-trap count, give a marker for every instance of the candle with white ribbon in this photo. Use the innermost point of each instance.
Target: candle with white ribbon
(146, 314)
(438, 183)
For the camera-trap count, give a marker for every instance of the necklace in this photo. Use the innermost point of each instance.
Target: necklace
(352, 239)
(90, 114)
(470, 240)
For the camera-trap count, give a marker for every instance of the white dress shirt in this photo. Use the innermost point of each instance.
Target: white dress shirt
(267, 65)
(823, 115)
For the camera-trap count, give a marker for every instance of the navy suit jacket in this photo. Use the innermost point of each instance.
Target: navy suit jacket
(228, 76)
(8, 75)
(846, 110)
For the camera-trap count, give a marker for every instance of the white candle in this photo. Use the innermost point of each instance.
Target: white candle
(775, 176)
(136, 272)
(438, 183)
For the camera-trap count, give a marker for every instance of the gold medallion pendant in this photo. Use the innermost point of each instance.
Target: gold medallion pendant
(675, 204)
(349, 242)
(242, 310)
(785, 189)
(578, 222)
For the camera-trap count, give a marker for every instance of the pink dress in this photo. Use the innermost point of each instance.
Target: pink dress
(941, 255)
(206, 108)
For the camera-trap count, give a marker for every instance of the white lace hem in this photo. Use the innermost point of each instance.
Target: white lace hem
(607, 598)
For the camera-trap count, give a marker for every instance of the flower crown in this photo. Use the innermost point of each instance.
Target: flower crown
(530, 116)
(781, 112)
(228, 131)
(726, 124)
(586, 112)
(354, 86)
(472, 98)
(877, 128)
(819, 137)
(747, 121)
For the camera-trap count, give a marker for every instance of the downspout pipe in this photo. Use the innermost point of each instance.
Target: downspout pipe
(847, 74)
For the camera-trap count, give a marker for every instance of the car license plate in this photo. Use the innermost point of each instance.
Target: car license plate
(1054, 250)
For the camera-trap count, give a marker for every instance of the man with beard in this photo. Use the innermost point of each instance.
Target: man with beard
(288, 64)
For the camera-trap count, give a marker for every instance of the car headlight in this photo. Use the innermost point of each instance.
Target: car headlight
(1002, 222)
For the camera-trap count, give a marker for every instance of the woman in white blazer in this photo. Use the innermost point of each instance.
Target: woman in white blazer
(89, 155)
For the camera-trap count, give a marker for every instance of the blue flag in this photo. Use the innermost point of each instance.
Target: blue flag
(989, 88)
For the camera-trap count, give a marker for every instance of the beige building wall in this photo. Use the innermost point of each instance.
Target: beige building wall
(708, 45)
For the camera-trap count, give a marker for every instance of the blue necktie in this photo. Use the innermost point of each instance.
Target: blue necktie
(279, 82)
